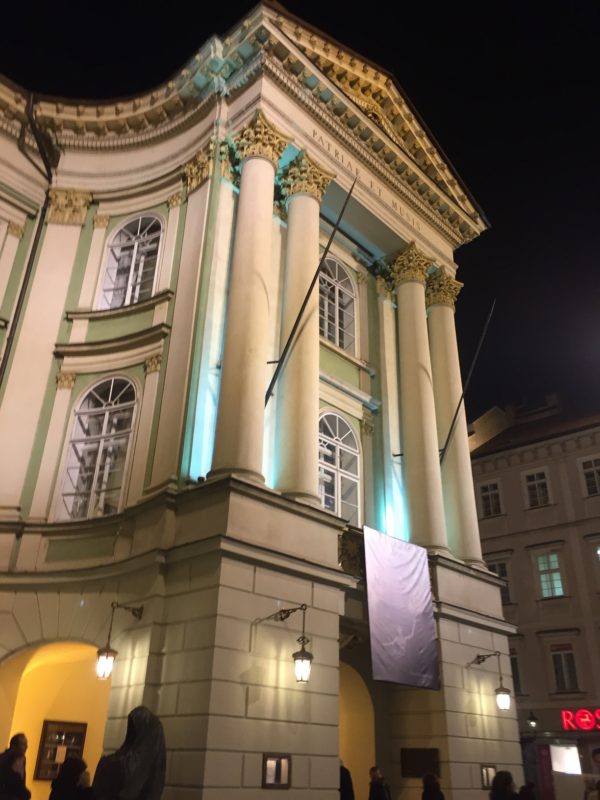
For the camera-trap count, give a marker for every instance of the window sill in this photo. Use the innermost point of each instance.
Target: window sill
(113, 313)
(556, 597)
(352, 359)
(568, 693)
(538, 508)
(493, 516)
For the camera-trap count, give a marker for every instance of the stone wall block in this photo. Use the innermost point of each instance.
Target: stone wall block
(228, 698)
(292, 590)
(193, 697)
(199, 633)
(237, 575)
(193, 665)
(184, 731)
(324, 773)
(27, 615)
(186, 768)
(252, 770)
(173, 638)
(48, 604)
(475, 637)
(223, 769)
(167, 700)
(232, 633)
(328, 599)
(191, 605)
(10, 634)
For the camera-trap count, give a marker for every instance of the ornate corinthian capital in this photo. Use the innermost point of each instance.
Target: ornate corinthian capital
(15, 230)
(65, 380)
(306, 176)
(441, 289)
(101, 221)
(260, 138)
(198, 169)
(68, 206)
(152, 364)
(411, 265)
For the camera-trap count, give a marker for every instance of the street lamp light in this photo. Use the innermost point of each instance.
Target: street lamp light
(302, 658)
(106, 655)
(532, 720)
(503, 697)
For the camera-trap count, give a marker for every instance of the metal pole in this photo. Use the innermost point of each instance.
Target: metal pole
(466, 386)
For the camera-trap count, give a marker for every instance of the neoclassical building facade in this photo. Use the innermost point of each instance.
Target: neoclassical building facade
(154, 256)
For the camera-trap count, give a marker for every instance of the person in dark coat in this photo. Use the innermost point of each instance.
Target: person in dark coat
(346, 787)
(12, 781)
(137, 770)
(503, 787)
(378, 788)
(72, 781)
(431, 788)
(527, 792)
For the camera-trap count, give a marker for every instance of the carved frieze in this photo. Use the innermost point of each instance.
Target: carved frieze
(442, 289)
(303, 175)
(366, 424)
(15, 230)
(65, 380)
(260, 138)
(411, 266)
(68, 206)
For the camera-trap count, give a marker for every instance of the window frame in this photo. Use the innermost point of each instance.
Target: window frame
(517, 684)
(549, 551)
(60, 479)
(558, 651)
(326, 411)
(526, 485)
(109, 238)
(505, 592)
(351, 275)
(480, 502)
(582, 478)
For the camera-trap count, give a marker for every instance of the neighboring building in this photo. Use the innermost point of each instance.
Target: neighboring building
(537, 480)
(147, 290)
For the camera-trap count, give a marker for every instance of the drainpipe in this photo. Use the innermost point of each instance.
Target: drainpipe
(50, 157)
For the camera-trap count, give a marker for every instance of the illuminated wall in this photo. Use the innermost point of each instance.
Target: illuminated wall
(357, 729)
(57, 682)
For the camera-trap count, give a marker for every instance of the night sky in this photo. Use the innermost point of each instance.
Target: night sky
(511, 91)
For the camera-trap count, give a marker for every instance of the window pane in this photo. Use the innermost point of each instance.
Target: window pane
(337, 317)
(131, 263)
(338, 467)
(559, 675)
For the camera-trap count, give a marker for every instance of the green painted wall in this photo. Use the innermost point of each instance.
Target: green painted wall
(101, 329)
(338, 366)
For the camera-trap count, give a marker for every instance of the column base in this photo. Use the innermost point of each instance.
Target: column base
(235, 472)
(304, 497)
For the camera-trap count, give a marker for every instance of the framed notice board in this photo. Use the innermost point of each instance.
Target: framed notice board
(59, 740)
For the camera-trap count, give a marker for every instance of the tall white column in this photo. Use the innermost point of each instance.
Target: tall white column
(457, 478)
(297, 440)
(420, 460)
(240, 416)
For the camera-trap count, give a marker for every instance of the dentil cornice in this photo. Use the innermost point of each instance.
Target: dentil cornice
(260, 138)
(442, 289)
(304, 175)
(410, 266)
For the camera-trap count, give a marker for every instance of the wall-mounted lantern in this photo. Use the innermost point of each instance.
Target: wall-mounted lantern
(502, 693)
(106, 655)
(302, 658)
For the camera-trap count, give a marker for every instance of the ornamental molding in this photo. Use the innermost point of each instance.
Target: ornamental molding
(199, 169)
(304, 175)
(175, 200)
(153, 363)
(367, 424)
(65, 380)
(260, 139)
(442, 289)
(385, 289)
(411, 266)
(15, 230)
(68, 206)
(101, 221)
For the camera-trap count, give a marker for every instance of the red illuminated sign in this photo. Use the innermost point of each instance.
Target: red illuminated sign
(583, 719)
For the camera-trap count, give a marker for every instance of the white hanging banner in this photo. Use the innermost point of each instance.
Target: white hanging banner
(401, 623)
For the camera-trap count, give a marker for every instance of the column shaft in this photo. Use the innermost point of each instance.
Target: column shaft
(298, 396)
(240, 419)
(421, 464)
(457, 478)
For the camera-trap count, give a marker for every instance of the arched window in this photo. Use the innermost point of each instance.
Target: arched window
(339, 475)
(131, 263)
(97, 453)
(336, 305)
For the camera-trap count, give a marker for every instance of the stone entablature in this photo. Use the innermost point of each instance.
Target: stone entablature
(332, 83)
(526, 454)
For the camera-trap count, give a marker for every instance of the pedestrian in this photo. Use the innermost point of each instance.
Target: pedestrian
(503, 787)
(137, 770)
(72, 781)
(12, 771)
(431, 788)
(346, 787)
(18, 744)
(378, 788)
(527, 792)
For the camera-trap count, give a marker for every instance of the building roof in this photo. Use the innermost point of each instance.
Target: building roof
(523, 433)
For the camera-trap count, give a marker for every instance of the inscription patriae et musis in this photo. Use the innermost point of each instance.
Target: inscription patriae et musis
(365, 180)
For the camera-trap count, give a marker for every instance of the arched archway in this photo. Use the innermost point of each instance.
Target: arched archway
(53, 682)
(357, 728)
